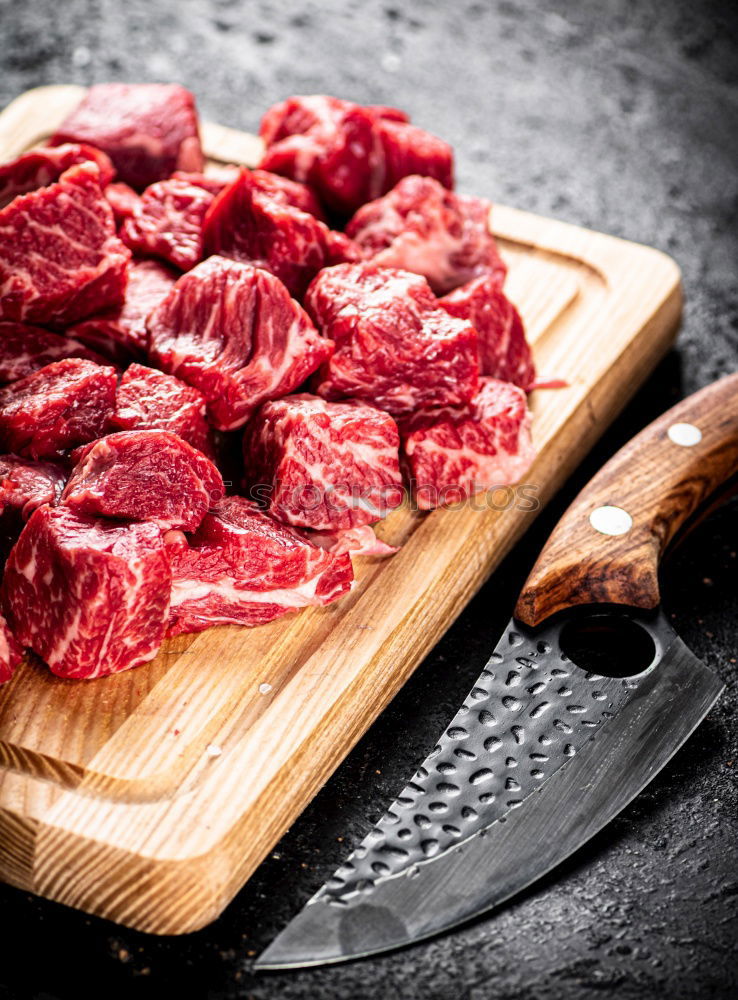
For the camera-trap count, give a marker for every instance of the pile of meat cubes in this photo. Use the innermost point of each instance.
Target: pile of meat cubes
(328, 332)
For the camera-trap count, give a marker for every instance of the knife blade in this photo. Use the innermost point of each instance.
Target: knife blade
(585, 698)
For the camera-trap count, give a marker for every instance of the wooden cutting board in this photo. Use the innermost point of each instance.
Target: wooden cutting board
(150, 797)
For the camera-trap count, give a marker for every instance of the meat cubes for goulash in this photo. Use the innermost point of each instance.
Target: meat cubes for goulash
(148, 130)
(144, 476)
(120, 333)
(454, 452)
(395, 347)
(60, 259)
(24, 349)
(89, 596)
(328, 466)
(233, 332)
(422, 227)
(504, 353)
(42, 166)
(58, 407)
(348, 153)
(147, 399)
(241, 567)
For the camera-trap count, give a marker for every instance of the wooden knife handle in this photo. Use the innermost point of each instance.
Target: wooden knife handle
(655, 483)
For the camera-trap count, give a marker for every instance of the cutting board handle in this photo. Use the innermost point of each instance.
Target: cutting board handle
(607, 547)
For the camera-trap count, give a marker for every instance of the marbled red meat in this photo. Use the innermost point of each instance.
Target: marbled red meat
(451, 453)
(168, 221)
(348, 153)
(58, 407)
(120, 333)
(359, 541)
(504, 353)
(26, 485)
(144, 476)
(11, 653)
(147, 399)
(248, 224)
(25, 349)
(327, 466)
(422, 227)
(123, 200)
(41, 166)
(395, 347)
(233, 332)
(242, 567)
(148, 130)
(89, 596)
(60, 259)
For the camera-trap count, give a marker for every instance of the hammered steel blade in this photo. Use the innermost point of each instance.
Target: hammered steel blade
(540, 757)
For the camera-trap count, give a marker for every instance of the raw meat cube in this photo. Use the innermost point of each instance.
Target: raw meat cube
(395, 347)
(60, 259)
(247, 224)
(25, 349)
(348, 153)
(147, 399)
(148, 130)
(89, 596)
(452, 453)
(424, 228)
(323, 465)
(11, 653)
(168, 221)
(286, 191)
(504, 353)
(40, 167)
(26, 485)
(233, 332)
(144, 476)
(120, 333)
(123, 200)
(242, 567)
(58, 407)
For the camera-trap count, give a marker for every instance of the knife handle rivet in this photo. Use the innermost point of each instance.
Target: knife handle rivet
(609, 520)
(686, 435)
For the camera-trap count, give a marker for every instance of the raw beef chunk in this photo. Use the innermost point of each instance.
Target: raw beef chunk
(123, 200)
(504, 353)
(323, 465)
(233, 332)
(144, 476)
(247, 224)
(422, 227)
(395, 347)
(25, 349)
(244, 568)
(65, 404)
(11, 653)
(60, 259)
(348, 153)
(286, 191)
(89, 596)
(148, 130)
(120, 333)
(454, 452)
(40, 167)
(26, 485)
(147, 399)
(168, 221)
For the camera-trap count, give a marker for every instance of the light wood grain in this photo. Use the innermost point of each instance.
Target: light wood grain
(110, 799)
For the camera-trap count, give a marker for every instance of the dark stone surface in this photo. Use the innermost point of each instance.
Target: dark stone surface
(618, 115)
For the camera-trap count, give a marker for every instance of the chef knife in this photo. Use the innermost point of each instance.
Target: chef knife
(586, 697)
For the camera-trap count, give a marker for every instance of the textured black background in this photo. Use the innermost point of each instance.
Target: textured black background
(618, 115)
